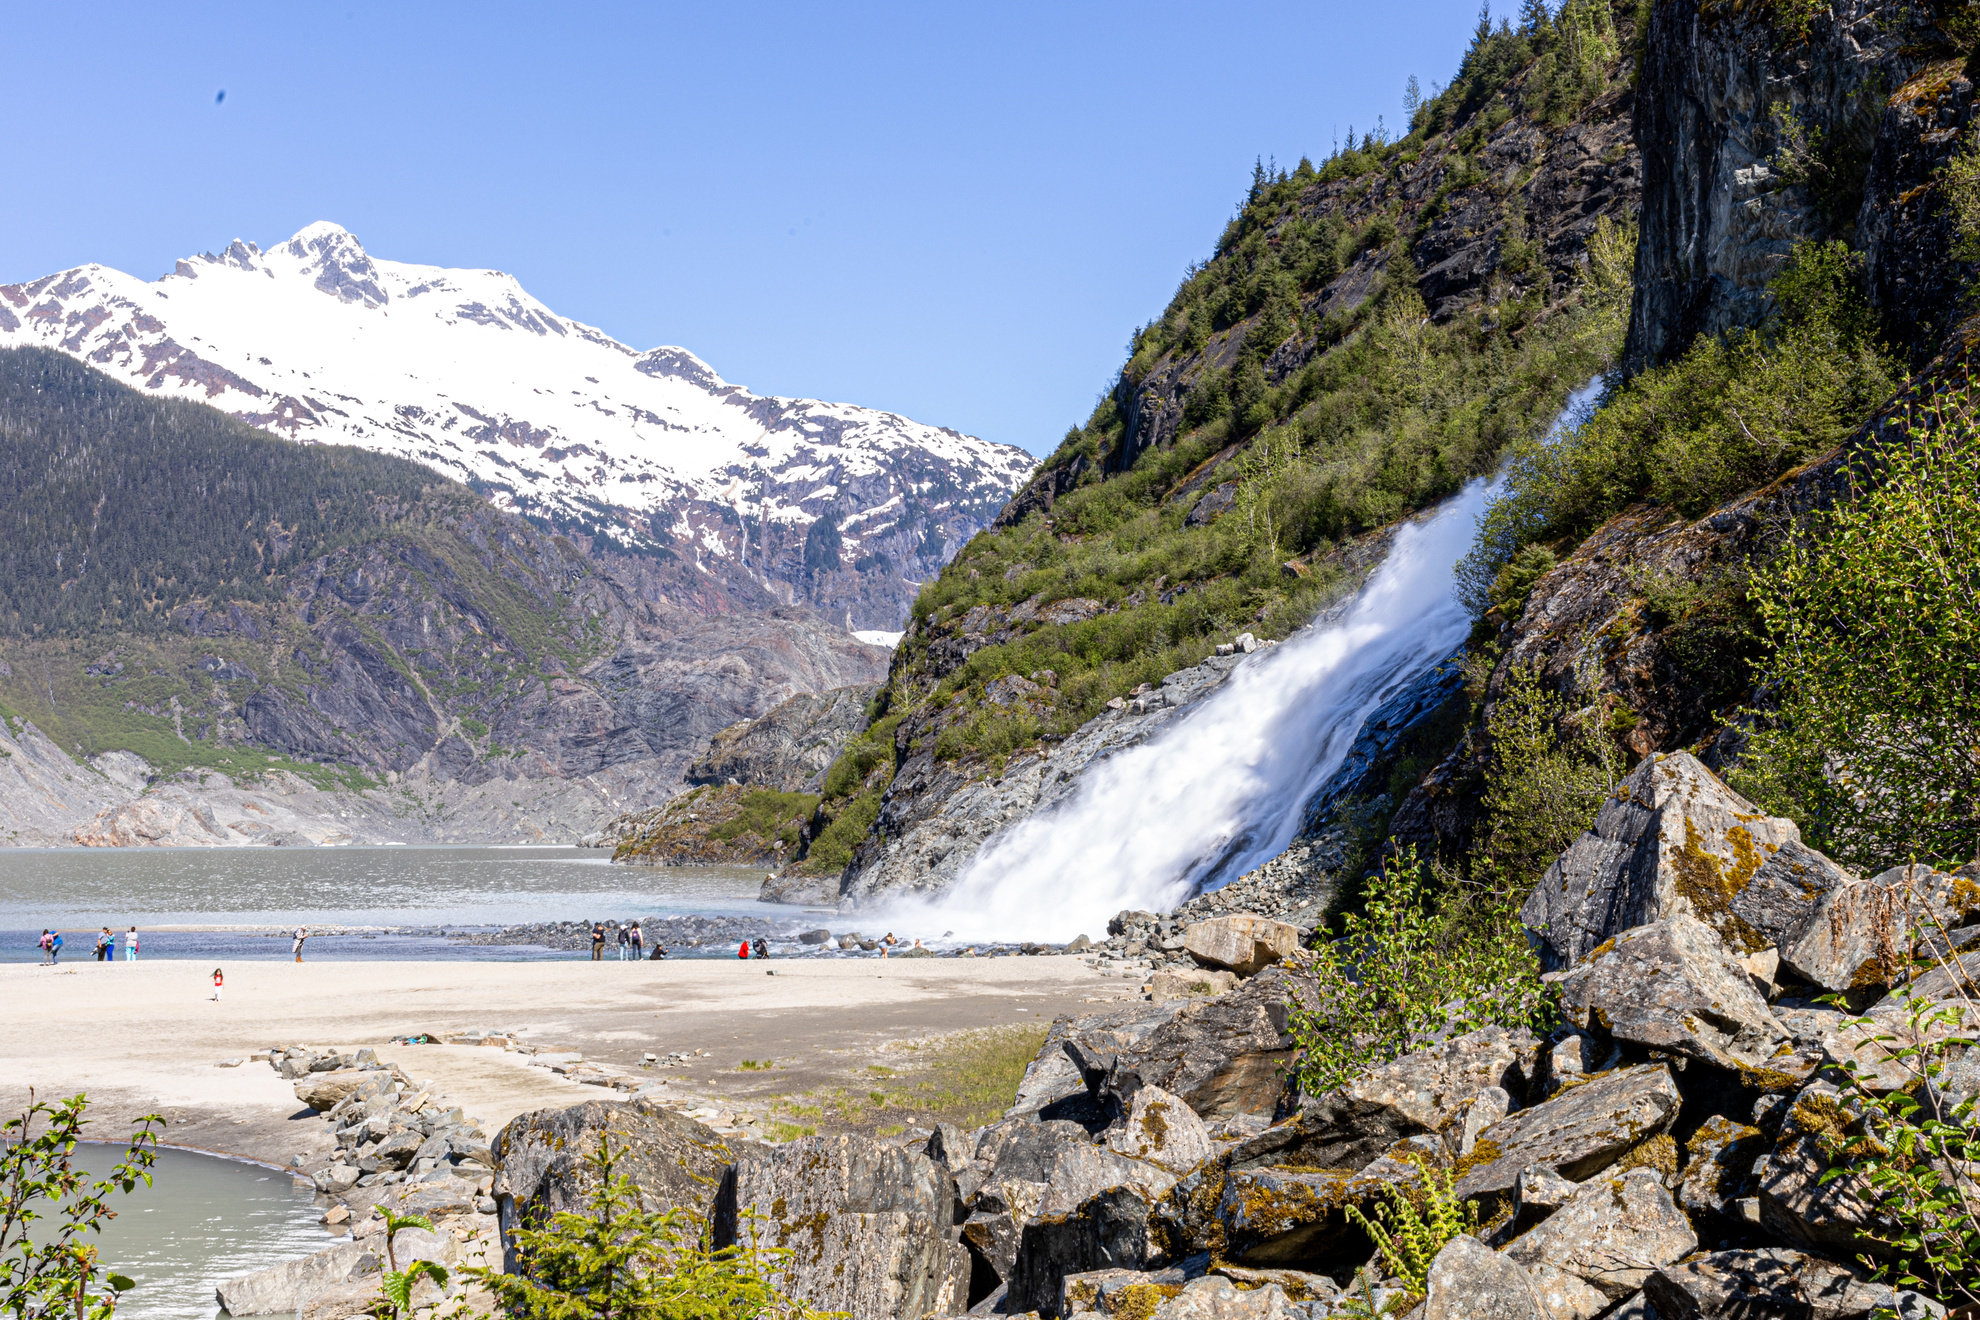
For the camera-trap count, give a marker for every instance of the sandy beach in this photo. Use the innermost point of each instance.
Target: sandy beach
(147, 1036)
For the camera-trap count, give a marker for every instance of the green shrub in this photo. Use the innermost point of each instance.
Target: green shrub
(1873, 624)
(768, 814)
(1546, 780)
(50, 1208)
(1417, 963)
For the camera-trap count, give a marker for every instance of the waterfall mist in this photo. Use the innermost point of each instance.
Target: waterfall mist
(1223, 788)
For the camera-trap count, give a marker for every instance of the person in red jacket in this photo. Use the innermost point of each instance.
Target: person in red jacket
(743, 952)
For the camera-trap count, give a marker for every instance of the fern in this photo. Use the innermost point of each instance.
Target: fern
(1415, 1236)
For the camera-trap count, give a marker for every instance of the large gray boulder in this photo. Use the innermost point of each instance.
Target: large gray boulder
(1118, 1228)
(1222, 1056)
(1299, 1216)
(1160, 1129)
(542, 1156)
(324, 1091)
(1671, 986)
(1214, 1297)
(291, 1284)
(1774, 1282)
(1419, 1092)
(1883, 1048)
(1798, 1204)
(1242, 942)
(1853, 930)
(1674, 839)
(1611, 1235)
(1718, 1170)
(1578, 1133)
(867, 1225)
(1470, 1281)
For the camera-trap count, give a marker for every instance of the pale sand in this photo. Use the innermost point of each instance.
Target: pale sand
(145, 1036)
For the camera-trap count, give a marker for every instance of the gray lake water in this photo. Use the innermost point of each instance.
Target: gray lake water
(202, 1220)
(233, 898)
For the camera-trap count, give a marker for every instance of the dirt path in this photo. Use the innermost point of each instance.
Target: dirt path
(147, 1036)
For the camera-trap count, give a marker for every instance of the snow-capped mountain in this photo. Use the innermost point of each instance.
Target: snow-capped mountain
(462, 370)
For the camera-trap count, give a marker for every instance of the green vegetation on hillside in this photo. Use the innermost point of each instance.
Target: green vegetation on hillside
(215, 510)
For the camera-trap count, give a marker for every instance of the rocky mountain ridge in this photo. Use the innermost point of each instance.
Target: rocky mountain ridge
(651, 454)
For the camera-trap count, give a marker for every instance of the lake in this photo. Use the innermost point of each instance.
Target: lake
(228, 902)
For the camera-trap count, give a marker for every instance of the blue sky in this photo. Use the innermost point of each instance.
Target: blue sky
(956, 212)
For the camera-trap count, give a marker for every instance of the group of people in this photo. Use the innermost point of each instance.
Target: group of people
(632, 943)
(105, 948)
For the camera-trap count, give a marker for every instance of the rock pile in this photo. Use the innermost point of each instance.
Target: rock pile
(1656, 1154)
(686, 932)
(400, 1148)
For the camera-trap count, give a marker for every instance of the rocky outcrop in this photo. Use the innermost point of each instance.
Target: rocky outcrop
(790, 747)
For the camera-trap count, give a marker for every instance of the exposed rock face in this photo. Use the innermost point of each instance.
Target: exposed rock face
(1579, 1132)
(674, 1161)
(1671, 986)
(1771, 1282)
(1719, 218)
(710, 825)
(1674, 839)
(1611, 1235)
(868, 1225)
(790, 747)
(292, 1284)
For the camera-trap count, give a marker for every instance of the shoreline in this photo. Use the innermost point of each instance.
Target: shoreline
(148, 1038)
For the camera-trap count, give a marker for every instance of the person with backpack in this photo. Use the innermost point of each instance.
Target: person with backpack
(638, 941)
(46, 945)
(625, 943)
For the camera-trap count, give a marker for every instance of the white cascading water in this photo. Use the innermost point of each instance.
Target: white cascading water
(1223, 788)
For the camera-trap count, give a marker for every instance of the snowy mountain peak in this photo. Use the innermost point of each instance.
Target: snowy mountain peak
(462, 370)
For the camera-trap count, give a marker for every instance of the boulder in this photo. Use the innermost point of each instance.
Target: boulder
(1169, 983)
(1577, 1134)
(1537, 1193)
(1298, 1216)
(1044, 1169)
(1852, 929)
(398, 1150)
(1214, 1297)
(1221, 1056)
(1242, 943)
(290, 1285)
(1774, 1282)
(1881, 1049)
(1574, 1056)
(814, 936)
(1671, 986)
(1420, 1092)
(868, 1225)
(674, 1161)
(1611, 1235)
(1470, 1281)
(1052, 1075)
(1117, 1228)
(1718, 1170)
(343, 1301)
(1094, 1043)
(1126, 1293)
(1801, 1207)
(326, 1090)
(1161, 1130)
(1673, 839)
(1298, 1285)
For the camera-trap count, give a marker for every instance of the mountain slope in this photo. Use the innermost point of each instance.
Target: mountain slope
(652, 453)
(199, 615)
(1366, 335)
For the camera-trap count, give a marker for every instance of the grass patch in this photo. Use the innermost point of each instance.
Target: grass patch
(969, 1078)
(756, 1065)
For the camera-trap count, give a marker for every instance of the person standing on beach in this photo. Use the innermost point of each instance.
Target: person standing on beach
(55, 949)
(219, 984)
(638, 941)
(302, 933)
(103, 944)
(130, 945)
(625, 942)
(47, 946)
(598, 941)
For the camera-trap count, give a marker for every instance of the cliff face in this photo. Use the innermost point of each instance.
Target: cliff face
(1757, 135)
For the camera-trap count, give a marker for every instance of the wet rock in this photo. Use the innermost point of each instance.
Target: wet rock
(1470, 1281)
(1611, 1235)
(1773, 1282)
(1671, 986)
(1718, 1170)
(867, 1223)
(290, 1285)
(1243, 943)
(1674, 839)
(1420, 1092)
(542, 1169)
(1578, 1133)
(1161, 1130)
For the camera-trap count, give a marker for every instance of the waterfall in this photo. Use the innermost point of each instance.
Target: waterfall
(1224, 787)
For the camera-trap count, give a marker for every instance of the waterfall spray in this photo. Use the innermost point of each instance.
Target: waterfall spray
(1224, 788)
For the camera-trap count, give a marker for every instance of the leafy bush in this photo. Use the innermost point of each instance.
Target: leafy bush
(621, 1261)
(1873, 619)
(1729, 415)
(51, 1270)
(1548, 776)
(1417, 963)
(768, 814)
